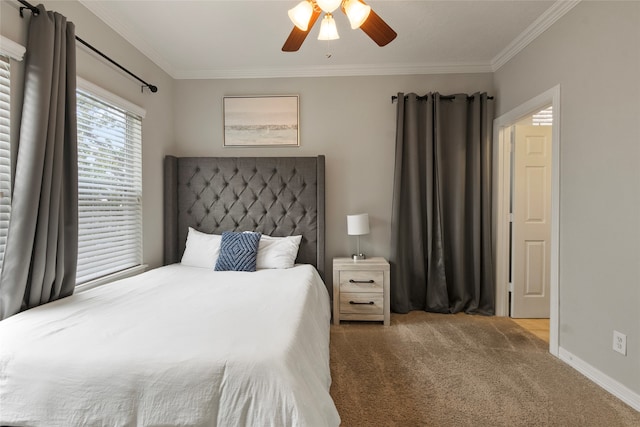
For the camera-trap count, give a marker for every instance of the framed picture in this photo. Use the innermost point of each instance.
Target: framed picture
(264, 121)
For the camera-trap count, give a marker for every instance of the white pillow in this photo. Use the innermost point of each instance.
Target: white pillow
(277, 252)
(201, 249)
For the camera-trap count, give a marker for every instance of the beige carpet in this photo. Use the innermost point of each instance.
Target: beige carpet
(459, 370)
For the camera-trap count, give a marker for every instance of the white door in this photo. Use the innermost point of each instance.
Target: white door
(531, 222)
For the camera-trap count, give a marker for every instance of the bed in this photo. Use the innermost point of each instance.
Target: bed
(184, 345)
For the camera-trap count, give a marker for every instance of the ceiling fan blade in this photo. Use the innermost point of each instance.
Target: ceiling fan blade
(378, 30)
(297, 36)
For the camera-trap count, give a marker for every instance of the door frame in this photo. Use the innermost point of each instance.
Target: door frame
(501, 189)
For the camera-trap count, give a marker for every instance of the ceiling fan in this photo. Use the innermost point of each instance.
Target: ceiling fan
(360, 15)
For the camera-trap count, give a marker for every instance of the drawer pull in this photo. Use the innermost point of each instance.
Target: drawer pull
(361, 281)
(361, 303)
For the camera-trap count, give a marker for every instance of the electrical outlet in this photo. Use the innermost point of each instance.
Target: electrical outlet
(620, 342)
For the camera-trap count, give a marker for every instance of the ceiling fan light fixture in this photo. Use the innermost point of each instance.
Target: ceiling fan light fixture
(328, 5)
(360, 15)
(328, 29)
(300, 15)
(357, 12)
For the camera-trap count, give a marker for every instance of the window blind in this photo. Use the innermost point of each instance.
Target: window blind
(109, 188)
(5, 153)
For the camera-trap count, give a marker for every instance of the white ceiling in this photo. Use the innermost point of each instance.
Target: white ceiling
(243, 38)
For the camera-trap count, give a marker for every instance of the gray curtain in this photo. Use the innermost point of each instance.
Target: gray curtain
(441, 256)
(42, 242)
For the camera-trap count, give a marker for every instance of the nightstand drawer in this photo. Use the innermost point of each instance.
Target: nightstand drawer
(361, 281)
(362, 302)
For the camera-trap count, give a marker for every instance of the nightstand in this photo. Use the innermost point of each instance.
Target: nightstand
(361, 290)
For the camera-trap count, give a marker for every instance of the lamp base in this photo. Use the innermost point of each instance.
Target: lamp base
(358, 257)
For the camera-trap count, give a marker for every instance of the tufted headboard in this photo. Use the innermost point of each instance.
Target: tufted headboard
(278, 196)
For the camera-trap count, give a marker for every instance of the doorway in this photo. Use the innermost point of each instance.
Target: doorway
(538, 327)
(536, 248)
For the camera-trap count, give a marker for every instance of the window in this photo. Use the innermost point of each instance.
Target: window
(109, 185)
(543, 118)
(5, 153)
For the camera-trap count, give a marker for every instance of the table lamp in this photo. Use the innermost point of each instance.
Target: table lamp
(358, 225)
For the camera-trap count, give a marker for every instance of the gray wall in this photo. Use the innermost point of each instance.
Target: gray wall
(593, 52)
(350, 120)
(157, 127)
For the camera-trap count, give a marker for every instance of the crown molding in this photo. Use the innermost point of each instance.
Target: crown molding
(540, 25)
(334, 71)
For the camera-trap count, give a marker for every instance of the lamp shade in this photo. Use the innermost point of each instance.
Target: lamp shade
(328, 5)
(328, 30)
(301, 14)
(357, 225)
(357, 12)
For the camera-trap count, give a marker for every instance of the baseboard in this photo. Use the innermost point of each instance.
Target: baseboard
(620, 391)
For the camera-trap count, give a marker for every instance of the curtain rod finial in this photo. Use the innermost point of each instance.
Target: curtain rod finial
(152, 88)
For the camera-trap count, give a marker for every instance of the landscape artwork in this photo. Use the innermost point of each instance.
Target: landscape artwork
(261, 121)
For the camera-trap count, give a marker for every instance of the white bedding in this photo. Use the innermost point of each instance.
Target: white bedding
(176, 346)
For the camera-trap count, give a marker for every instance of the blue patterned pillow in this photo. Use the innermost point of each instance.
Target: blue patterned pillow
(238, 251)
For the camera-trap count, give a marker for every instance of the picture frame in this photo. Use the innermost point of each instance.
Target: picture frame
(261, 121)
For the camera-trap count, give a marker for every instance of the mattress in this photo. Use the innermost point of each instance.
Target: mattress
(179, 346)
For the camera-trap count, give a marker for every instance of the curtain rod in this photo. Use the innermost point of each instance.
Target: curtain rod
(34, 10)
(394, 97)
